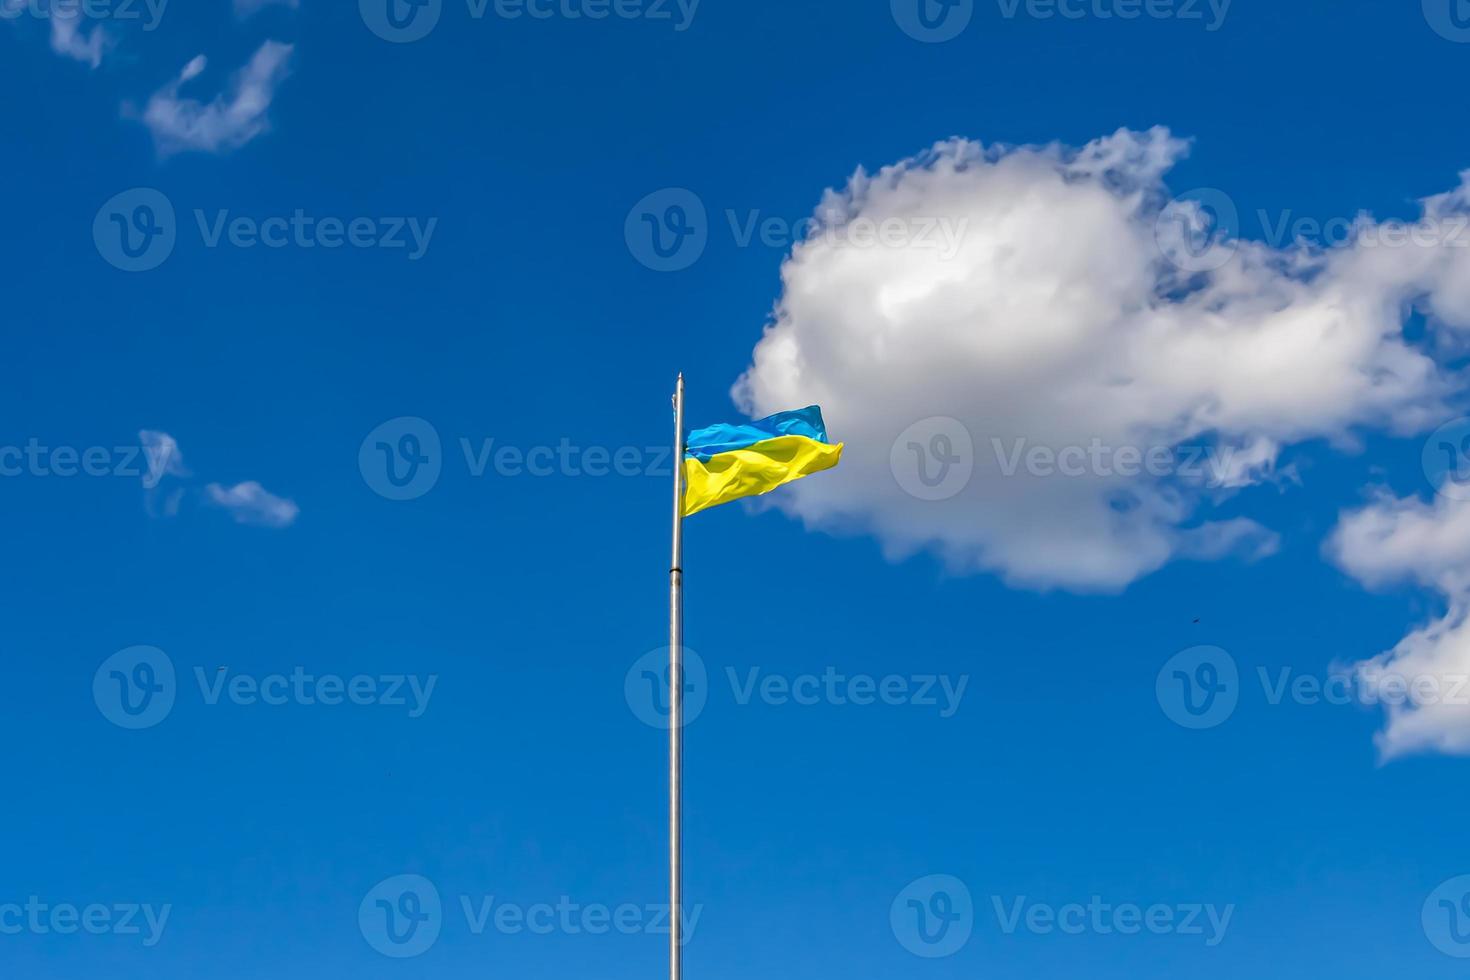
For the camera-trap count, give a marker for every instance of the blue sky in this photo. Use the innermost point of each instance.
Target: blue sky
(241, 525)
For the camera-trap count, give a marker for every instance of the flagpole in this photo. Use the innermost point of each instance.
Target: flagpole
(676, 694)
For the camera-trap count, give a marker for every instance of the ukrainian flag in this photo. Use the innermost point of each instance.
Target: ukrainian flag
(726, 462)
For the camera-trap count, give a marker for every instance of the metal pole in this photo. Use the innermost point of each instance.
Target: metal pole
(676, 694)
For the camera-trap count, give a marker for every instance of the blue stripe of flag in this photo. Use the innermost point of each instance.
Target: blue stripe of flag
(723, 438)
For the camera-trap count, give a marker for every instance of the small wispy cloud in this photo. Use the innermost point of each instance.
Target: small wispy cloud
(68, 38)
(247, 502)
(231, 119)
(161, 450)
(251, 503)
(163, 458)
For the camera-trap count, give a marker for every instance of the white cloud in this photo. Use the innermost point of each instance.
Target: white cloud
(230, 120)
(161, 451)
(247, 502)
(1056, 322)
(250, 503)
(1393, 540)
(1406, 539)
(68, 38)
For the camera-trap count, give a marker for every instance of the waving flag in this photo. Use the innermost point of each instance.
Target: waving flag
(721, 462)
(725, 462)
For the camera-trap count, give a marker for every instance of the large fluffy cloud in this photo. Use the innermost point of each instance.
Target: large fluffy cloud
(1089, 339)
